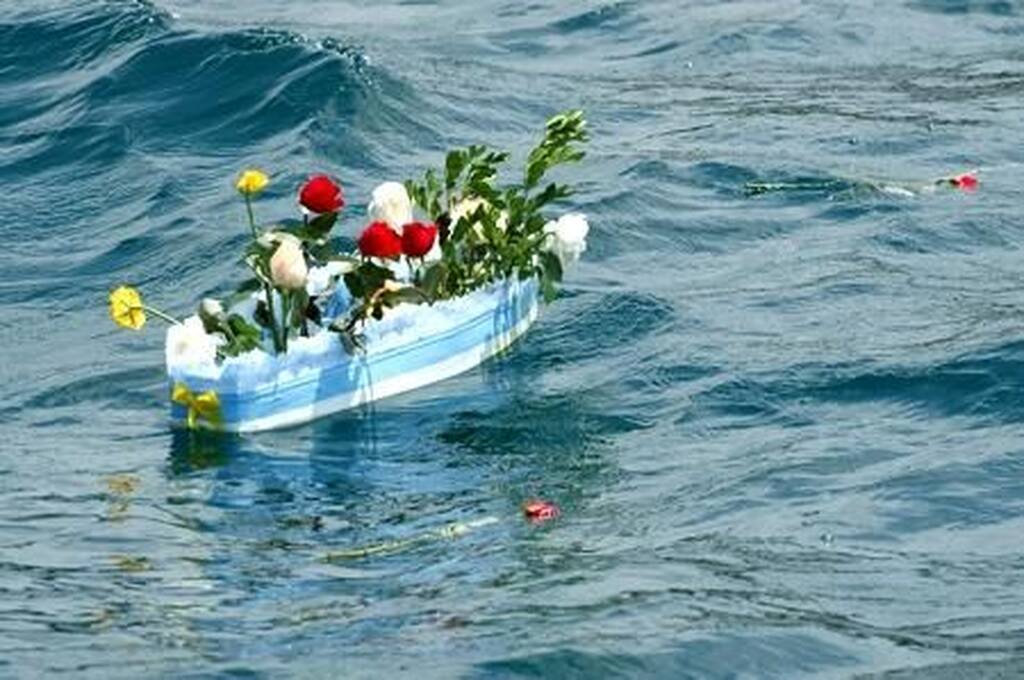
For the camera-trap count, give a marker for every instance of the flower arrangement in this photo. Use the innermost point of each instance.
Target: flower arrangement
(452, 232)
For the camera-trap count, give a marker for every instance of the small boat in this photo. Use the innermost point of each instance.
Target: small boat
(316, 331)
(412, 346)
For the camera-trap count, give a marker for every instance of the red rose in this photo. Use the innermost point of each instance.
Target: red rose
(321, 195)
(538, 511)
(418, 238)
(966, 182)
(379, 240)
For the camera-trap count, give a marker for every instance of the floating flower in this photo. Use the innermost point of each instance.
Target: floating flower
(252, 182)
(567, 237)
(391, 204)
(379, 240)
(321, 194)
(418, 238)
(288, 268)
(538, 511)
(968, 181)
(126, 308)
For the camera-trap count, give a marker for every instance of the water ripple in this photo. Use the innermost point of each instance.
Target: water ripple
(776, 402)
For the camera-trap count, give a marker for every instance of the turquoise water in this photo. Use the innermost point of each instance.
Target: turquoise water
(785, 428)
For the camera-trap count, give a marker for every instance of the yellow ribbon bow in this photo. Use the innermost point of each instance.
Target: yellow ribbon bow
(204, 406)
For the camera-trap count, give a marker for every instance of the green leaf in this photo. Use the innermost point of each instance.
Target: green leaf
(261, 315)
(415, 193)
(557, 147)
(313, 313)
(552, 192)
(260, 268)
(240, 327)
(320, 251)
(454, 164)
(433, 184)
(494, 236)
(547, 288)
(433, 279)
(321, 225)
(366, 279)
(297, 311)
(244, 337)
(552, 265)
(462, 227)
(472, 257)
(249, 286)
(355, 284)
(483, 189)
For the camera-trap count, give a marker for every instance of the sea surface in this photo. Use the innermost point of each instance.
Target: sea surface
(780, 402)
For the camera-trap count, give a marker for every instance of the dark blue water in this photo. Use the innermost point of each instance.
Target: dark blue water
(786, 429)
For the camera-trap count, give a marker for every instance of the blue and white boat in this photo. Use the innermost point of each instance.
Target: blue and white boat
(412, 346)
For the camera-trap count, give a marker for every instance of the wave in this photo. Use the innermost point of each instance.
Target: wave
(140, 84)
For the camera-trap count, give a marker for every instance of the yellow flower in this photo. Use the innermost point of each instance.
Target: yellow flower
(252, 182)
(126, 308)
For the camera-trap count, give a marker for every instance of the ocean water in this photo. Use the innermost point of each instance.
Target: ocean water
(785, 427)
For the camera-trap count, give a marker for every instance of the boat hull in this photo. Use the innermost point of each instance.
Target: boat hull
(349, 381)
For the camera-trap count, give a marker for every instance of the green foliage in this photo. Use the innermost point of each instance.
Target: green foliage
(489, 231)
(498, 235)
(467, 172)
(292, 317)
(366, 279)
(550, 273)
(432, 279)
(563, 132)
(242, 337)
(504, 235)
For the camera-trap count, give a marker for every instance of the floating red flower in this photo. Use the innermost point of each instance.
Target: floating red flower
(418, 238)
(321, 194)
(965, 182)
(380, 240)
(538, 511)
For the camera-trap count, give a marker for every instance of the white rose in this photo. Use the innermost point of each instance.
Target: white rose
(391, 204)
(288, 266)
(188, 344)
(567, 237)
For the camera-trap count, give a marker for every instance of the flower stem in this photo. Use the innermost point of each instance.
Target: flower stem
(269, 292)
(230, 334)
(285, 313)
(252, 218)
(160, 315)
